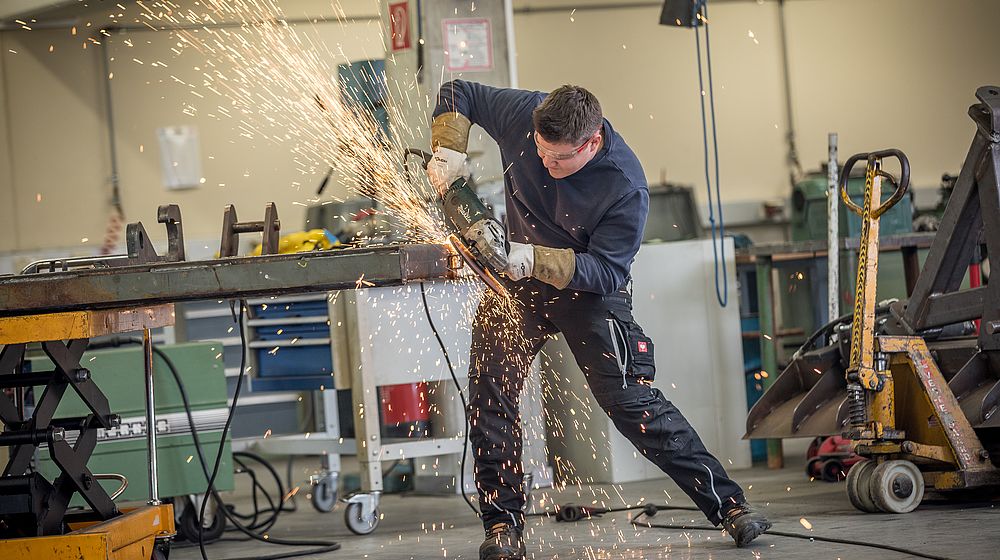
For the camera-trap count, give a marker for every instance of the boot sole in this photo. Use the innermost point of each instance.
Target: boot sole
(503, 557)
(751, 532)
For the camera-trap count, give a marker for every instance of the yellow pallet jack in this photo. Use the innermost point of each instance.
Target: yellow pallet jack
(33, 516)
(902, 415)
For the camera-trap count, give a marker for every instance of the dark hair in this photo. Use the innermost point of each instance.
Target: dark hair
(568, 115)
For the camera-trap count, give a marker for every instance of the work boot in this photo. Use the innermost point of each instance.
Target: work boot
(503, 542)
(744, 524)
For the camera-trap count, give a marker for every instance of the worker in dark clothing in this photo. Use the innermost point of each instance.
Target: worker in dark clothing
(576, 201)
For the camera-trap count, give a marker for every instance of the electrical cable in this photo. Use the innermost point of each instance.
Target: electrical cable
(327, 546)
(274, 510)
(461, 395)
(718, 247)
(570, 512)
(651, 510)
(324, 546)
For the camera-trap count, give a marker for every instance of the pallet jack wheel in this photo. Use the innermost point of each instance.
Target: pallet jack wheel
(897, 486)
(189, 525)
(832, 470)
(355, 522)
(859, 486)
(813, 467)
(161, 549)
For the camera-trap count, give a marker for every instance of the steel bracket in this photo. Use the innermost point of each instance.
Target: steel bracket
(232, 228)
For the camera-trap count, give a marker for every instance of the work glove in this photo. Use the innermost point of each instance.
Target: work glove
(555, 267)
(520, 260)
(445, 167)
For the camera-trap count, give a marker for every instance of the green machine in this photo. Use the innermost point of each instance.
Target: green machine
(809, 208)
(122, 450)
(803, 286)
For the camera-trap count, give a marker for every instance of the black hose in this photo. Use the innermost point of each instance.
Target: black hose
(461, 395)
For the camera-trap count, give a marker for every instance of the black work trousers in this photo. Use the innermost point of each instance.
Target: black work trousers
(616, 358)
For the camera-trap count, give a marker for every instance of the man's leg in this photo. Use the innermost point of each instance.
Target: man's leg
(617, 359)
(502, 351)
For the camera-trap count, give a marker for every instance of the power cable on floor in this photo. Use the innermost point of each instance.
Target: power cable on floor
(570, 513)
(461, 395)
(650, 510)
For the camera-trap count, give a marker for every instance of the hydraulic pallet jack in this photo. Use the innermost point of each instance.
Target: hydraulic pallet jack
(900, 412)
(922, 385)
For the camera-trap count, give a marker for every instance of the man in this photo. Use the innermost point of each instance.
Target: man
(576, 206)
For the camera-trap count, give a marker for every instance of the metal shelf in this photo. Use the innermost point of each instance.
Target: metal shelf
(289, 342)
(288, 321)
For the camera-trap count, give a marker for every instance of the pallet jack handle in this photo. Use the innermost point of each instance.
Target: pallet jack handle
(875, 158)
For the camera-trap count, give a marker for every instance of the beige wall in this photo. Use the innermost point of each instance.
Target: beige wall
(929, 60)
(928, 56)
(60, 145)
(8, 215)
(926, 62)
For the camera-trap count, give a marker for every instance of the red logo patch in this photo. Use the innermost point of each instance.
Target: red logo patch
(642, 346)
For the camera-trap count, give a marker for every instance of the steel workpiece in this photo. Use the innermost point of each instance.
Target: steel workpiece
(224, 278)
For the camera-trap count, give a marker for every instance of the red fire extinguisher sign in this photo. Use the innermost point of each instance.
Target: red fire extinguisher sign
(399, 25)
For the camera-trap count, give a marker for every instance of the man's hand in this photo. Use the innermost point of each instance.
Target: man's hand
(520, 260)
(445, 167)
(552, 266)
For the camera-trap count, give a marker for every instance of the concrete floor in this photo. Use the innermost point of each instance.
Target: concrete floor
(418, 527)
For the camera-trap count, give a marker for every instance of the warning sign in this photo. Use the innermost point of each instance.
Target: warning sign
(399, 24)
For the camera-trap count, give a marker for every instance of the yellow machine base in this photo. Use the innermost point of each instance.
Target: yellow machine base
(129, 536)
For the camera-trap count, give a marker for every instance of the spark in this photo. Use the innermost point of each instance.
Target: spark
(276, 78)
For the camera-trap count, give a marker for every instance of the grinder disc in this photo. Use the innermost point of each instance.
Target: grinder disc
(482, 272)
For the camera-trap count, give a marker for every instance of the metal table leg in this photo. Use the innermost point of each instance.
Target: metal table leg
(147, 356)
(768, 343)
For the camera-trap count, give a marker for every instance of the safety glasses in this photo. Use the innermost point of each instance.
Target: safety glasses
(561, 156)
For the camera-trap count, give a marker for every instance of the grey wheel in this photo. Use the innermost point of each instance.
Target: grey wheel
(357, 524)
(324, 495)
(188, 527)
(897, 486)
(859, 487)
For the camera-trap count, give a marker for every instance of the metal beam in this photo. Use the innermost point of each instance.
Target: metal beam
(229, 278)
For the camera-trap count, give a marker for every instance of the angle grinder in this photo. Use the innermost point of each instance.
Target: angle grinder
(475, 234)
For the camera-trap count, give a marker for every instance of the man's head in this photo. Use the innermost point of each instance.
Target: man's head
(567, 130)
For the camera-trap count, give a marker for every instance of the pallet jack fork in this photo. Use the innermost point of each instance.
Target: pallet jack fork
(34, 510)
(902, 415)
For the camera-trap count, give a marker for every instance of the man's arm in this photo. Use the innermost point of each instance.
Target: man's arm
(613, 245)
(462, 104)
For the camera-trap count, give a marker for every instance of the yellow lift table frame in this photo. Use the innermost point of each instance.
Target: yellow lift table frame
(137, 534)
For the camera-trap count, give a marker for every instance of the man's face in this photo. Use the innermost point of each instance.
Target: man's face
(563, 160)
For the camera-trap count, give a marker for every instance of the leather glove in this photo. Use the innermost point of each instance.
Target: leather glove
(555, 267)
(520, 260)
(445, 167)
